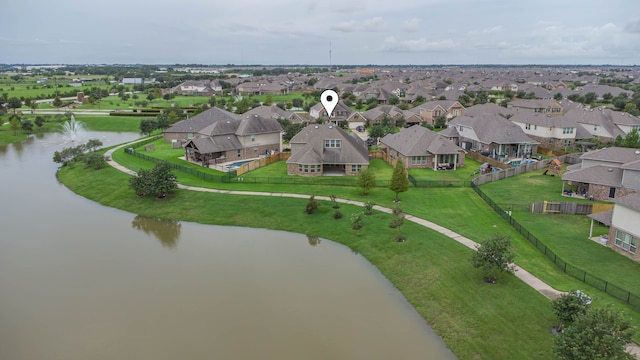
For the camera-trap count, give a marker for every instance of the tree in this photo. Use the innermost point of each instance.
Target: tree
(312, 205)
(569, 306)
(397, 220)
(357, 220)
(607, 97)
(557, 96)
(162, 121)
(377, 131)
(366, 181)
(39, 121)
(57, 102)
(26, 126)
(590, 97)
(368, 207)
(631, 140)
(441, 122)
(158, 181)
(268, 100)
(94, 160)
(494, 255)
(14, 123)
(14, 103)
(93, 144)
(399, 180)
(632, 109)
(597, 334)
(147, 126)
(297, 102)
(394, 100)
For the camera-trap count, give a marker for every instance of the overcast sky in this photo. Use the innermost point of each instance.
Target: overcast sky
(300, 32)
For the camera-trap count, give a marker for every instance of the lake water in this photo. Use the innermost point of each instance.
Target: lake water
(83, 281)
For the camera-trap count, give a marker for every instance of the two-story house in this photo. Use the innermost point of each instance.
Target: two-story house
(606, 174)
(323, 149)
(542, 106)
(553, 132)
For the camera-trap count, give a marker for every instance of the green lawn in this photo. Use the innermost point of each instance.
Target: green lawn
(566, 235)
(461, 173)
(458, 209)
(433, 272)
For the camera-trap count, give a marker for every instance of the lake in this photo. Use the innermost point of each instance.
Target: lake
(82, 281)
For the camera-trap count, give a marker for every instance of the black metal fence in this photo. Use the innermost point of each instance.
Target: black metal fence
(598, 283)
(290, 180)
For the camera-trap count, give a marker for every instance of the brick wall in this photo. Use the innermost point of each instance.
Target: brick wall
(601, 192)
(611, 243)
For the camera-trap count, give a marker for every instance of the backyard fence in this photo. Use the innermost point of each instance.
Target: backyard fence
(258, 163)
(511, 171)
(227, 177)
(573, 208)
(598, 283)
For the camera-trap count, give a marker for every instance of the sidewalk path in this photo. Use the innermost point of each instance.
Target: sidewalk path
(539, 285)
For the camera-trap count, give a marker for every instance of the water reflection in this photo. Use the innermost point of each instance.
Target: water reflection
(313, 240)
(166, 231)
(18, 147)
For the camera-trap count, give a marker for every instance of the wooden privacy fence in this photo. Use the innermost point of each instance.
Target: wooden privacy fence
(573, 208)
(258, 163)
(511, 171)
(379, 154)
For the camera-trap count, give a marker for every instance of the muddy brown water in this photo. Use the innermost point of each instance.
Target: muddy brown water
(82, 281)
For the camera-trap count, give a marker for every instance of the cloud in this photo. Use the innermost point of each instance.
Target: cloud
(633, 27)
(411, 25)
(375, 24)
(417, 45)
(486, 31)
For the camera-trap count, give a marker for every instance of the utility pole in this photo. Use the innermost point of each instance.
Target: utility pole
(329, 56)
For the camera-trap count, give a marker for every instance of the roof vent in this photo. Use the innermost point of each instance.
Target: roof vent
(330, 127)
(316, 126)
(637, 152)
(610, 170)
(228, 137)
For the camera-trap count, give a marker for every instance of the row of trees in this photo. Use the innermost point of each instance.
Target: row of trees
(85, 153)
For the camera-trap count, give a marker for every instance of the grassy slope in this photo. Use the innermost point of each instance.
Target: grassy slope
(478, 321)
(459, 209)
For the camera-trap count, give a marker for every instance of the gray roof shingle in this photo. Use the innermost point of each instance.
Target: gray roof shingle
(419, 141)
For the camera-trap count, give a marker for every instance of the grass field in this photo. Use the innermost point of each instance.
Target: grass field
(433, 272)
(459, 209)
(566, 235)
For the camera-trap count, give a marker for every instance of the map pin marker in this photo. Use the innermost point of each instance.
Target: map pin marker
(329, 100)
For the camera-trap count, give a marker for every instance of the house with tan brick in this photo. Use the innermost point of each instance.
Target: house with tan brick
(606, 174)
(326, 149)
(419, 147)
(216, 135)
(625, 227)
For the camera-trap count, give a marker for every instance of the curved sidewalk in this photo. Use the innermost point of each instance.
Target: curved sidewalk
(531, 280)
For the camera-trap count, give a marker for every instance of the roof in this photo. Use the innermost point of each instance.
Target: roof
(352, 150)
(256, 124)
(631, 201)
(272, 111)
(203, 120)
(488, 108)
(543, 120)
(493, 129)
(208, 145)
(613, 154)
(419, 141)
(598, 174)
(603, 217)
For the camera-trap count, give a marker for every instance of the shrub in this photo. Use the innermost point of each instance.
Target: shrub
(357, 220)
(368, 207)
(312, 205)
(337, 215)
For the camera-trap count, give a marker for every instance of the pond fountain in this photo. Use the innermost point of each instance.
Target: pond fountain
(72, 130)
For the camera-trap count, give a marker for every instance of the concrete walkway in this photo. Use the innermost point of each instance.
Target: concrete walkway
(539, 285)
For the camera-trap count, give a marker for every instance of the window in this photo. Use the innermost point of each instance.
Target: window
(456, 112)
(635, 127)
(568, 130)
(437, 113)
(538, 110)
(612, 192)
(356, 168)
(332, 143)
(418, 160)
(190, 136)
(324, 113)
(299, 167)
(626, 241)
(567, 142)
(527, 127)
(535, 127)
(255, 149)
(319, 168)
(253, 137)
(555, 110)
(460, 128)
(595, 127)
(239, 152)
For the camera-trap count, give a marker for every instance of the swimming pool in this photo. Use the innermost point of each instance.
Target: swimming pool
(237, 164)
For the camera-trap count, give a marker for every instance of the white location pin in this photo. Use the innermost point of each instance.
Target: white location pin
(329, 100)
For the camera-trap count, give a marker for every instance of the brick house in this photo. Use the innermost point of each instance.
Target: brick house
(419, 147)
(322, 149)
(606, 174)
(625, 228)
(220, 136)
